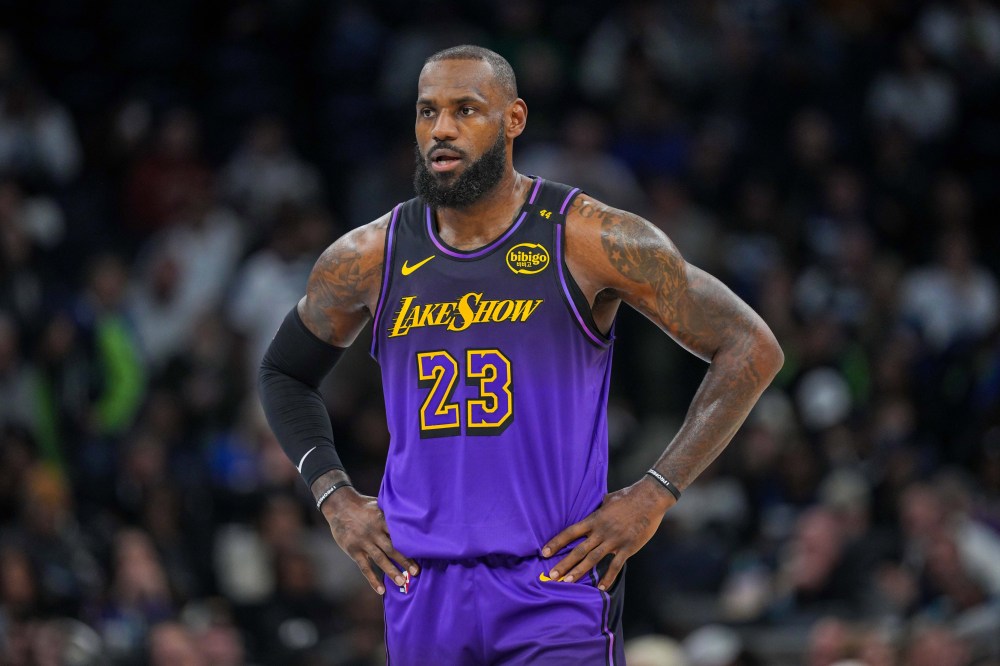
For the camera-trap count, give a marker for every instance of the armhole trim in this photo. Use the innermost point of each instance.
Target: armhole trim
(572, 295)
(387, 264)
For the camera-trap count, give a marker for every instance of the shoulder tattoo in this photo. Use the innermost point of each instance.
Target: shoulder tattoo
(641, 253)
(344, 284)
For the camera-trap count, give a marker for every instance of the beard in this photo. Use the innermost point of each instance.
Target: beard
(470, 186)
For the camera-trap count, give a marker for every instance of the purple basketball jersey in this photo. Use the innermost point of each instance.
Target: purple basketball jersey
(496, 386)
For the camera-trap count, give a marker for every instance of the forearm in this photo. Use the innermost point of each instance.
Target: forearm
(288, 381)
(300, 422)
(737, 376)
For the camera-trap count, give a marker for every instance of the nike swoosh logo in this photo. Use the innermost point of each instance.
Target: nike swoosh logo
(304, 458)
(409, 269)
(545, 579)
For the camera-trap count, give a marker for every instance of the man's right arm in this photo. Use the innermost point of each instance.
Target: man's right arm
(341, 296)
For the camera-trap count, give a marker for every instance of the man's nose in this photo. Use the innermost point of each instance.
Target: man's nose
(445, 128)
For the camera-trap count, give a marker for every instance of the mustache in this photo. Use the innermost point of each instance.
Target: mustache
(444, 145)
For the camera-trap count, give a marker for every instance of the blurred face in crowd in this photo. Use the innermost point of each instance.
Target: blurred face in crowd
(170, 644)
(463, 116)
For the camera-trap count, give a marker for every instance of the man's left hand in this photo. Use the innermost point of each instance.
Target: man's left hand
(624, 522)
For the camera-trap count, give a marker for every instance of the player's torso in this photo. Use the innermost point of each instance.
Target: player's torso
(495, 383)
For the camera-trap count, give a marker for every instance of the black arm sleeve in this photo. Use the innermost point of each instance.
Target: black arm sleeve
(288, 381)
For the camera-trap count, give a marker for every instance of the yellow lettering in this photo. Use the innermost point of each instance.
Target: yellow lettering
(460, 314)
(523, 310)
(465, 315)
(445, 313)
(403, 320)
(427, 314)
(485, 310)
(502, 313)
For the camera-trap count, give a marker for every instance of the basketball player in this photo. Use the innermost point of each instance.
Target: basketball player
(493, 296)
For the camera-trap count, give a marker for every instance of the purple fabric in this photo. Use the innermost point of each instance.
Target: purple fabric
(390, 234)
(475, 254)
(454, 486)
(498, 611)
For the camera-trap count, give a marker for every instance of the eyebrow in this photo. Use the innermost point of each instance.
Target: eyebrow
(464, 99)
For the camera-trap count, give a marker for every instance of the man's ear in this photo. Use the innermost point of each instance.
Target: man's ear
(517, 118)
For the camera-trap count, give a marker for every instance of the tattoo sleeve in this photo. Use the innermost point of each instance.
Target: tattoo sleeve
(704, 316)
(344, 284)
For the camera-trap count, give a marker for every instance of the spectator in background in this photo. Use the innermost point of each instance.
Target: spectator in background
(674, 43)
(818, 575)
(191, 264)
(20, 596)
(39, 217)
(272, 279)
(953, 300)
(172, 644)
(18, 381)
(962, 33)
(265, 173)
(159, 182)
(583, 157)
(62, 641)
(921, 99)
(744, 123)
(835, 642)
(139, 596)
(653, 650)
(651, 137)
(38, 142)
(67, 572)
(935, 645)
(811, 150)
(217, 636)
(29, 227)
(120, 375)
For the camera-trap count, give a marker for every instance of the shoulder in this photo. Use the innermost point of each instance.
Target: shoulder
(345, 281)
(366, 240)
(613, 244)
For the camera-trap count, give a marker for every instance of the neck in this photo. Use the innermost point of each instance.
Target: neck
(479, 223)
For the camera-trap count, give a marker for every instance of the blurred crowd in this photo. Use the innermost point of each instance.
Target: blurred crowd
(169, 171)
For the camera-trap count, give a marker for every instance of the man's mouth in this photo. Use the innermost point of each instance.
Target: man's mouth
(443, 160)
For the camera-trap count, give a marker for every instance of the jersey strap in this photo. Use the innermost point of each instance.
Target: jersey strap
(553, 205)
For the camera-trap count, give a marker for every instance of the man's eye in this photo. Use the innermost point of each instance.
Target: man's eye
(467, 110)
(426, 113)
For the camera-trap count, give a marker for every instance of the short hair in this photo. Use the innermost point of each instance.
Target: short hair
(502, 71)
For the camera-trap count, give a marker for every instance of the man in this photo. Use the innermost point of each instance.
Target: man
(493, 296)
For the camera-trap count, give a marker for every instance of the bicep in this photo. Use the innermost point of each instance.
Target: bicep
(344, 286)
(646, 270)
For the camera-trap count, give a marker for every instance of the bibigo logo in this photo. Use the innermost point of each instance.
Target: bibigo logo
(527, 258)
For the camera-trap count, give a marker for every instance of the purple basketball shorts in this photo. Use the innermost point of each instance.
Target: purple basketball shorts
(501, 610)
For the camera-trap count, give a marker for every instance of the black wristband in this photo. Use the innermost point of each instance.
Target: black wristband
(671, 488)
(329, 491)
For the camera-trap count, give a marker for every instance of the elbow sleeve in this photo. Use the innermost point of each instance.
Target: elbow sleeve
(288, 381)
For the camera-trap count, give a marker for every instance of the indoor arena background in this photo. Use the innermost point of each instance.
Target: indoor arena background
(169, 171)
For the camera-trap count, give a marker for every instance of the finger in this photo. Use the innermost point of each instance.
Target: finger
(572, 558)
(386, 565)
(592, 559)
(568, 535)
(608, 579)
(396, 556)
(366, 570)
(385, 543)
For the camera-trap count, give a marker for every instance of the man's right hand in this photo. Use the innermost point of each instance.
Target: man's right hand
(358, 526)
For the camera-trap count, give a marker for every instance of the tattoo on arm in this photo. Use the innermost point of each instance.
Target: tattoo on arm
(342, 290)
(645, 258)
(705, 317)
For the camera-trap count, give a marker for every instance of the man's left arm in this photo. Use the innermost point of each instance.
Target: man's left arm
(618, 254)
